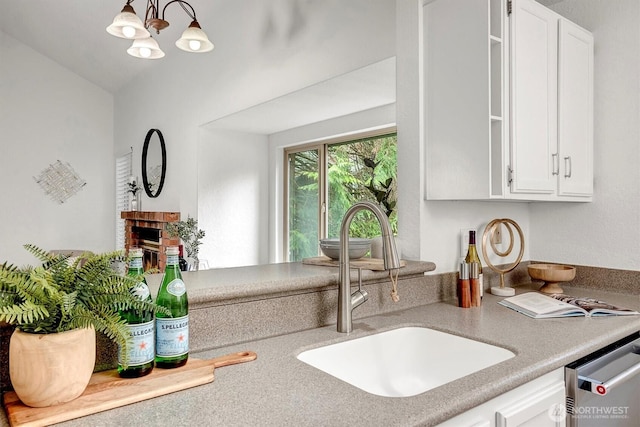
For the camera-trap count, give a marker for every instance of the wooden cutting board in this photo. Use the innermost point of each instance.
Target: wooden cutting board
(375, 264)
(106, 390)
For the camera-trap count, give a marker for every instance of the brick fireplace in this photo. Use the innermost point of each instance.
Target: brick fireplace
(146, 230)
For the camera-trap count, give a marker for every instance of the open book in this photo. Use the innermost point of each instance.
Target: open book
(539, 306)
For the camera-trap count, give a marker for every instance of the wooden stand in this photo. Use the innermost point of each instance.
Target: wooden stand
(373, 264)
(107, 390)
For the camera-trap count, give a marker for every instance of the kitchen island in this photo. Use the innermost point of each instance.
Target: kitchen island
(277, 389)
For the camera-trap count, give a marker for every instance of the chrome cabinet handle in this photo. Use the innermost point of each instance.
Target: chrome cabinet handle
(602, 388)
(556, 165)
(567, 167)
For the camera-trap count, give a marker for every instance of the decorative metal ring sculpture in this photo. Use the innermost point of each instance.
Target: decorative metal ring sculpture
(488, 234)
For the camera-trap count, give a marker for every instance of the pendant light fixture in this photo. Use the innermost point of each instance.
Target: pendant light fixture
(146, 48)
(127, 25)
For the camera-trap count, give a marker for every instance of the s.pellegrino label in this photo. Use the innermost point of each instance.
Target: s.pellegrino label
(172, 336)
(172, 332)
(141, 325)
(142, 351)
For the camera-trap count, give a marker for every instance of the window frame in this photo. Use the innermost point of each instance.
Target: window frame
(322, 147)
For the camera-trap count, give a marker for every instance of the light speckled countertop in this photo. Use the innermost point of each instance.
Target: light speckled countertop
(270, 280)
(277, 389)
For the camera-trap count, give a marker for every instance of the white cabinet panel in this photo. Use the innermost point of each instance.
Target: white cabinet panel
(575, 115)
(538, 403)
(456, 41)
(543, 408)
(534, 53)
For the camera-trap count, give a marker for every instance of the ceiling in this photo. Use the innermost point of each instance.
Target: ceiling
(362, 89)
(72, 33)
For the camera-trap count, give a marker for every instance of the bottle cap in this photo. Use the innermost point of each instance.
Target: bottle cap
(464, 271)
(135, 252)
(474, 270)
(172, 250)
(472, 237)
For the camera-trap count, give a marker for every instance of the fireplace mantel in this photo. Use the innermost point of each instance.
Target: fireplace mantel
(146, 230)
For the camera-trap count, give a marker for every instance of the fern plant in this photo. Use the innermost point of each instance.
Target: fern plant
(61, 295)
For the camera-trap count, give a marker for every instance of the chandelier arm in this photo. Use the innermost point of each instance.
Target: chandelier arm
(191, 14)
(152, 12)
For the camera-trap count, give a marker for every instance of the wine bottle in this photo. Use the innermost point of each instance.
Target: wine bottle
(172, 332)
(181, 261)
(141, 325)
(472, 256)
(474, 282)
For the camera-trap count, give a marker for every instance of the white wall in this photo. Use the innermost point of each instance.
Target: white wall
(48, 113)
(233, 185)
(607, 231)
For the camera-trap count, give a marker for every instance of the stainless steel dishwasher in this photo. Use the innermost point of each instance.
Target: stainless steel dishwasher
(603, 388)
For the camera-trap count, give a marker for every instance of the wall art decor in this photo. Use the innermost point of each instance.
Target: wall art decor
(59, 181)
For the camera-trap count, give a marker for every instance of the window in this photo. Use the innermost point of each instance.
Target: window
(323, 180)
(122, 173)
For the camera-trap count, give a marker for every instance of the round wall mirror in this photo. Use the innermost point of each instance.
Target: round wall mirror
(154, 163)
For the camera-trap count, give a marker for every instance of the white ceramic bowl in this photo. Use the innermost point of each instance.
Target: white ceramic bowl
(358, 247)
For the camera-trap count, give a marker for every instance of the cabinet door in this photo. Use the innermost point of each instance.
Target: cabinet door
(534, 48)
(544, 408)
(456, 43)
(575, 110)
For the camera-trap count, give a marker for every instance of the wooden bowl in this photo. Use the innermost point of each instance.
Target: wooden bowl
(552, 275)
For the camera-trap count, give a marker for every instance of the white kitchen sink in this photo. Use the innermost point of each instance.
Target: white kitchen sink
(404, 362)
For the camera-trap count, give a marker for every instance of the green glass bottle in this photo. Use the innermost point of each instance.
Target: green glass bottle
(141, 325)
(172, 332)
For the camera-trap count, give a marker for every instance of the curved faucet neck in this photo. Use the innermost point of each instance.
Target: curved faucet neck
(346, 301)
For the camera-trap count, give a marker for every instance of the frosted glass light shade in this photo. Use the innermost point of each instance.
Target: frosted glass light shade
(194, 40)
(146, 49)
(127, 25)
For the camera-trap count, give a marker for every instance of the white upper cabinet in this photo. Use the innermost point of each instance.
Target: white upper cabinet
(534, 64)
(456, 59)
(509, 102)
(575, 110)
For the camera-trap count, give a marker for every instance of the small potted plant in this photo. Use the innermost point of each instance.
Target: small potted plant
(57, 308)
(190, 235)
(134, 190)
